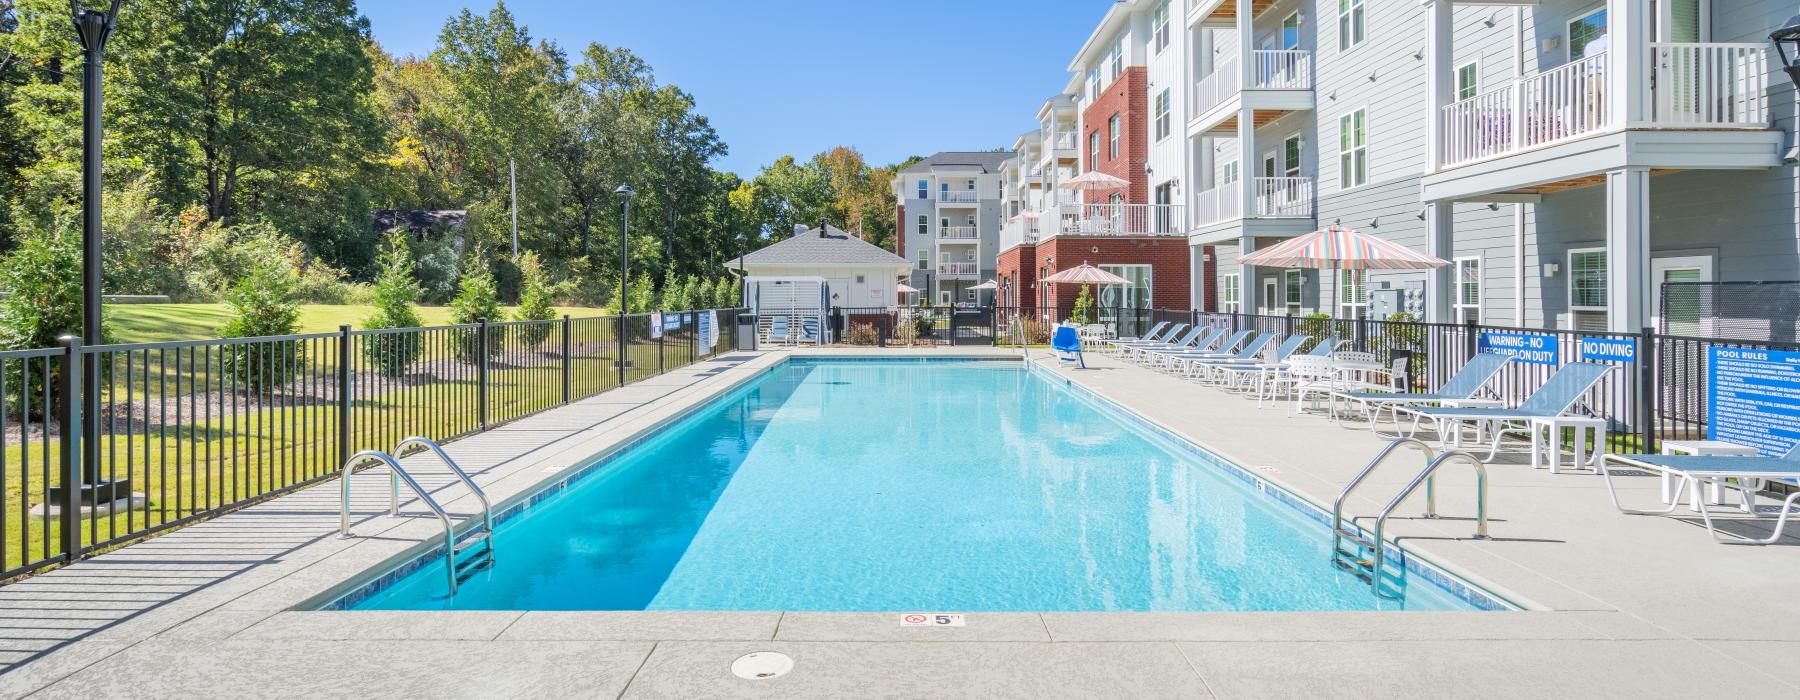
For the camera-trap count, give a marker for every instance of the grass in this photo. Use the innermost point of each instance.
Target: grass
(151, 323)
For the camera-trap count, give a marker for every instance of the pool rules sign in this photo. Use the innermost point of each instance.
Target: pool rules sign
(1754, 398)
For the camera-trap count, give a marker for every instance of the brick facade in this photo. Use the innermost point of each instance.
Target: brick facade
(900, 230)
(1128, 97)
(1016, 271)
(1167, 257)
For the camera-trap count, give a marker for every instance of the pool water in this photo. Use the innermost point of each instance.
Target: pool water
(906, 485)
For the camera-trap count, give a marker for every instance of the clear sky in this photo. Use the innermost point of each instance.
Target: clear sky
(795, 77)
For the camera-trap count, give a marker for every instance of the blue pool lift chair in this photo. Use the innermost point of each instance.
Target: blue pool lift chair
(1746, 474)
(1067, 344)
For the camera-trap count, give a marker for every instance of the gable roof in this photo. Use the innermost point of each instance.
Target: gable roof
(835, 247)
(986, 161)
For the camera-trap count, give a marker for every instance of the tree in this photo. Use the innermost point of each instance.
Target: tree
(395, 293)
(1083, 313)
(674, 295)
(262, 304)
(722, 295)
(641, 295)
(534, 300)
(477, 300)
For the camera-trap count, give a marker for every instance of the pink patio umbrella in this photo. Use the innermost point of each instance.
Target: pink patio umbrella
(1084, 274)
(1093, 180)
(1336, 249)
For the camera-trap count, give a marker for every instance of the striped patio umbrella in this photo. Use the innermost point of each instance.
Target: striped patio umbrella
(1085, 274)
(1093, 180)
(1342, 249)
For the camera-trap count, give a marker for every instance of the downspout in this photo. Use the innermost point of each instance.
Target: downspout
(1519, 209)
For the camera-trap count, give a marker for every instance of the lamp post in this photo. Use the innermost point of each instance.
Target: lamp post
(1788, 37)
(624, 193)
(92, 29)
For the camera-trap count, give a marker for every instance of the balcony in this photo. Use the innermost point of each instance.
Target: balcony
(1115, 219)
(958, 233)
(958, 269)
(1692, 86)
(1017, 232)
(1271, 198)
(958, 197)
(1271, 71)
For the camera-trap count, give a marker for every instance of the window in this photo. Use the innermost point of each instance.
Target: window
(1290, 155)
(1126, 296)
(970, 296)
(1162, 114)
(924, 190)
(1112, 138)
(1585, 31)
(1093, 149)
(1293, 284)
(1230, 298)
(1353, 293)
(924, 259)
(943, 191)
(1093, 84)
(924, 225)
(1159, 21)
(1353, 152)
(1468, 83)
(971, 185)
(943, 223)
(1115, 61)
(1350, 23)
(1587, 279)
(1468, 289)
(1228, 173)
(1290, 32)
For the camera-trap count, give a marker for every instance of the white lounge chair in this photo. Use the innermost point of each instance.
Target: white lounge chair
(1751, 473)
(1558, 396)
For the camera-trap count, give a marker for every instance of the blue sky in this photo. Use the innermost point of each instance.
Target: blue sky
(796, 77)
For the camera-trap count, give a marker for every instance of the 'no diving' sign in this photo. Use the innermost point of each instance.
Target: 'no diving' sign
(932, 620)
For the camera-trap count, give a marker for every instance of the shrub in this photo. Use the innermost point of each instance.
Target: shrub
(43, 278)
(923, 323)
(642, 295)
(437, 269)
(477, 299)
(1083, 313)
(724, 294)
(223, 255)
(535, 294)
(674, 295)
(698, 294)
(862, 334)
(395, 292)
(262, 304)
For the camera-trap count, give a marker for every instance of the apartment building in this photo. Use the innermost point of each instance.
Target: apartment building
(1125, 104)
(949, 218)
(1568, 155)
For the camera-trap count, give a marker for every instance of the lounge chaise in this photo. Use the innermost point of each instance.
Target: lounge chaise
(1693, 469)
(1557, 397)
(1461, 387)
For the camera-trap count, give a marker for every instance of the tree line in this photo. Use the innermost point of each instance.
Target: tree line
(244, 134)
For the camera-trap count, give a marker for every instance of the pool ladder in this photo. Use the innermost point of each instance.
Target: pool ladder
(1368, 555)
(479, 542)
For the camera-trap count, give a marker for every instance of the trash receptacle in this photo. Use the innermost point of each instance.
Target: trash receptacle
(746, 331)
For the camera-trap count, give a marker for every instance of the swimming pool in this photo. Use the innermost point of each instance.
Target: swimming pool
(893, 485)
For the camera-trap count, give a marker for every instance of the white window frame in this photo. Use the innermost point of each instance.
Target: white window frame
(1293, 287)
(1463, 308)
(1149, 289)
(1474, 86)
(1159, 26)
(1231, 296)
(924, 190)
(1281, 39)
(924, 225)
(1113, 127)
(1093, 149)
(1115, 61)
(1569, 261)
(1349, 149)
(1353, 293)
(924, 259)
(1569, 31)
(1160, 108)
(1352, 24)
(1228, 173)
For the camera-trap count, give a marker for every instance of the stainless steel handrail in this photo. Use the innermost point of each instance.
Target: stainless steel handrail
(487, 507)
(1337, 507)
(1481, 529)
(399, 474)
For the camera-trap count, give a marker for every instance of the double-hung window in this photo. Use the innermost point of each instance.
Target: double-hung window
(1230, 297)
(1353, 293)
(1159, 21)
(924, 259)
(1162, 114)
(1228, 173)
(1350, 23)
(1115, 61)
(1353, 150)
(1468, 81)
(924, 225)
(924, 190)
(1468, 289)
(1112, 138)
(1293, 286)
(1093, 149)
(1587, 288)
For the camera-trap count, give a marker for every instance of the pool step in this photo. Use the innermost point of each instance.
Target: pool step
(1367, 557)
(484, 556)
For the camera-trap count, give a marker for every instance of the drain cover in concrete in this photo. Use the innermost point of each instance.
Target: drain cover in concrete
(761, 665)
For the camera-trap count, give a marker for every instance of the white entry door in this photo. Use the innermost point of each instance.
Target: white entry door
(1683, 303)
(1271, 298)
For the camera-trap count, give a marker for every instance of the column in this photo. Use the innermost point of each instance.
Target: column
(1247, 167)
(1627, 249)
(1198, 282)
(1440, 236)
(1440, 81)
(1246, 44)
(1248, 285)
(1628, 62)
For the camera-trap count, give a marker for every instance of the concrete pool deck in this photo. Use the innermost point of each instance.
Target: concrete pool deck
(1623, 605)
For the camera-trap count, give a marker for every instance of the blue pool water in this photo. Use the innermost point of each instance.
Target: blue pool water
(891, 486)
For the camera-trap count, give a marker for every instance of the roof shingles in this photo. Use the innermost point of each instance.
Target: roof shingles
(836, 247)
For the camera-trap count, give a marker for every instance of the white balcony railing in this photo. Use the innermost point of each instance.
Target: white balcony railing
(957, 233)
(1286, 69)
(1117, 219)
(1063, 141)
(957, 269)
(1691, 85)
(1271, 198)
(958, 197)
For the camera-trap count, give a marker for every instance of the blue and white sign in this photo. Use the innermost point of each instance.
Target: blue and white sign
(656, 328)
(1530, 348)
(706, 332)
(1609, 349)
(1754, 398)
(672, 322)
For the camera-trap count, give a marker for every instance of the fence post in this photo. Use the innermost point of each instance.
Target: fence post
(568, 365)
(881, 337)
(693, 334)
(69, 509)
(1470, 334)
(620, 339)
(952, 311)
(1646, 388)
(659, 347)
(343, 395)
(481, 375)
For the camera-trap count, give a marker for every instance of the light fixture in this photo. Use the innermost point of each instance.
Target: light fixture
(1789, 36)
(1550, 269)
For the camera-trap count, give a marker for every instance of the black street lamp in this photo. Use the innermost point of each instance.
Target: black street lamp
(92, 29)
(624, 193)
(1789, 36)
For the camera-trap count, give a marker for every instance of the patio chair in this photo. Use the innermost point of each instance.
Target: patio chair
(1152, 333)
(809, 329)
(1230, 370)
(1197, 364)
(1462, 386)
(1173, 331)
(778, 330)
(1558, 396)
(1162, 358)
(1750, 473)
(1067, 344)
(1137, 353)
(1222, 349)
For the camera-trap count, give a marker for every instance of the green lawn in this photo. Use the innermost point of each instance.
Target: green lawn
(147, 323)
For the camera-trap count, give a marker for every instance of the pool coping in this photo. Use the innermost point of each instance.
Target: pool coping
(1452, 580)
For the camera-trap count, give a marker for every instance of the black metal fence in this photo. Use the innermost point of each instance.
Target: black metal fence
(186, 430)
(912, 325)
